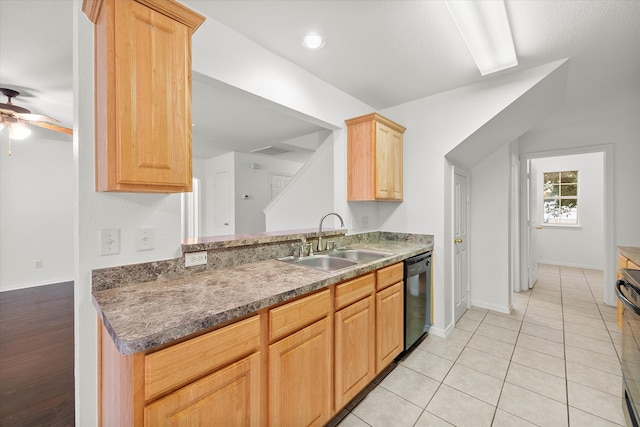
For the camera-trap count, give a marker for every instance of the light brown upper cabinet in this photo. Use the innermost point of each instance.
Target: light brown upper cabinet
(374, 158)
(142, 94)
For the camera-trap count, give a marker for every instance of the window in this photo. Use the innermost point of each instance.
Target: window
(560, 198)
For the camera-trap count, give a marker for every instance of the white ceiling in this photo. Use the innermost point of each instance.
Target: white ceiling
(382, 52)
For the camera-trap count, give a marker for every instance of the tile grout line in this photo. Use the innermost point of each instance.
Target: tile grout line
(504, 380)
(564, 350)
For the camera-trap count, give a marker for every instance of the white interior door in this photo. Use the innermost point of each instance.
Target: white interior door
(222, 201)
(278, 182)
(460, 243)
(533, 226)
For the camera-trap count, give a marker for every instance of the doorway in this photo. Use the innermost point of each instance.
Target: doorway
(590, 242)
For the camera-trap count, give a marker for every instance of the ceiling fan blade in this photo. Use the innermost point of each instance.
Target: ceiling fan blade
(53, 127)
(38, 118)
(13, 108)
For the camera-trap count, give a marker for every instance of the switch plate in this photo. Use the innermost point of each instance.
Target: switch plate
(195, 258)
(145, 239)
(39, 263)
(109, 241)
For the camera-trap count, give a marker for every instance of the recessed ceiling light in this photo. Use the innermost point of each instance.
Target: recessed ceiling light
(313, 41)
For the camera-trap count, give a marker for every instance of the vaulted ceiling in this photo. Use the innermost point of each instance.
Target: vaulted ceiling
(382, 52)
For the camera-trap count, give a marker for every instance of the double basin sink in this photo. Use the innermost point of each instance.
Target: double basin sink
(337, 260)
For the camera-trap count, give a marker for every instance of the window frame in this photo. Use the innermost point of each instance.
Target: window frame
(559, 197)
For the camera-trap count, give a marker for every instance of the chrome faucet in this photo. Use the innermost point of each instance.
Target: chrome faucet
(319, 247)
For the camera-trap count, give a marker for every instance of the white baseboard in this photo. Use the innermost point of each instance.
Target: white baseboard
(35, 284)
(567, 264)
(442, 333)
(499, 308)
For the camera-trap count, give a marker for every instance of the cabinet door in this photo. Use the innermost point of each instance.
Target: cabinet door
(152, 99)
(389, 325)
(227, 397)
(354, 350)
(300, 377)
(388, 163)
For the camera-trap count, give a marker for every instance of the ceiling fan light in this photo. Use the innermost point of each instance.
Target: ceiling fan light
(19, 131)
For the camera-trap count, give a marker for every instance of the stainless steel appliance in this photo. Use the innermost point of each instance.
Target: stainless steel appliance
(628, 290)
(417, 298)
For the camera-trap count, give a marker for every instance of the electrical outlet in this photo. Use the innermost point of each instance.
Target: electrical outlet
(109, 241)
(195, 258)
(365, 222)
(145, 239)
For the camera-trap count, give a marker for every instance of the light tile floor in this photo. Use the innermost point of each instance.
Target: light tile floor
(553, 362)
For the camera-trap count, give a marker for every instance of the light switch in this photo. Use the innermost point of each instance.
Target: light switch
(145, 239)
(109, 241)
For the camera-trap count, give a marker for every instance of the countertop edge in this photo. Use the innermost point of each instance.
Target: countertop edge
(146, 343)
(632, 253)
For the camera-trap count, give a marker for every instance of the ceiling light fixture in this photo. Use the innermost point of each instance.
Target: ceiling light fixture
(19, 130)
(313, 41)
(485, 29)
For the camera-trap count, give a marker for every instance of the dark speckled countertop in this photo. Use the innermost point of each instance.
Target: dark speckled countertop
(143, 316)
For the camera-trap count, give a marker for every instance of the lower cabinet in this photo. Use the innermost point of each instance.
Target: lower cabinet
(389, 315)
(354, 329)
(300, 377)
(389, 325)
(296, 364)
(230, 396)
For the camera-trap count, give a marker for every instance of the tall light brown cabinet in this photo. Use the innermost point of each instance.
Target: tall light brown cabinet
(142, 94)
(374, 159)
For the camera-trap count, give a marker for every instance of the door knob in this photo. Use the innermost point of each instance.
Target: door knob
(457, 240)
(539, 227)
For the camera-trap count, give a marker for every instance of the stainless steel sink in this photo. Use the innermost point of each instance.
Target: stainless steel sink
(321, 262)
(359, 255)
(337, 260)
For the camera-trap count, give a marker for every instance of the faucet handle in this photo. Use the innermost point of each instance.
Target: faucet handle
(332, 245)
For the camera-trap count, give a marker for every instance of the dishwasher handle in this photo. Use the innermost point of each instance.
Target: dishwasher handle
(630, 305)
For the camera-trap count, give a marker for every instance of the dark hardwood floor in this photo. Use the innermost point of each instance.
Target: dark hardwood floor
(36, 356)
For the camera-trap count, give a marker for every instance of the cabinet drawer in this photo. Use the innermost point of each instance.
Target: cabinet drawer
(632, 266)
(389, 275)
(354, 290)
(228, 397)
(183, 363)
(295, 315)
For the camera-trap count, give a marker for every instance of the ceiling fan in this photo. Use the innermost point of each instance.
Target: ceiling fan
(14, 118)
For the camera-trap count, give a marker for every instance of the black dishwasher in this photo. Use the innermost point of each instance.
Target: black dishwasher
(417, 298)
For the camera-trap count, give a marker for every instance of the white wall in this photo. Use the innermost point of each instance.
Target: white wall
(435, 126)
(581, 246)
(219, 53)
(489, 231)
(36, 212)
(309, 194)
(623, 132)
(256, 183)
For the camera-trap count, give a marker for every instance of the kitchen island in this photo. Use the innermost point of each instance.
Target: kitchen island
(260, 333)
